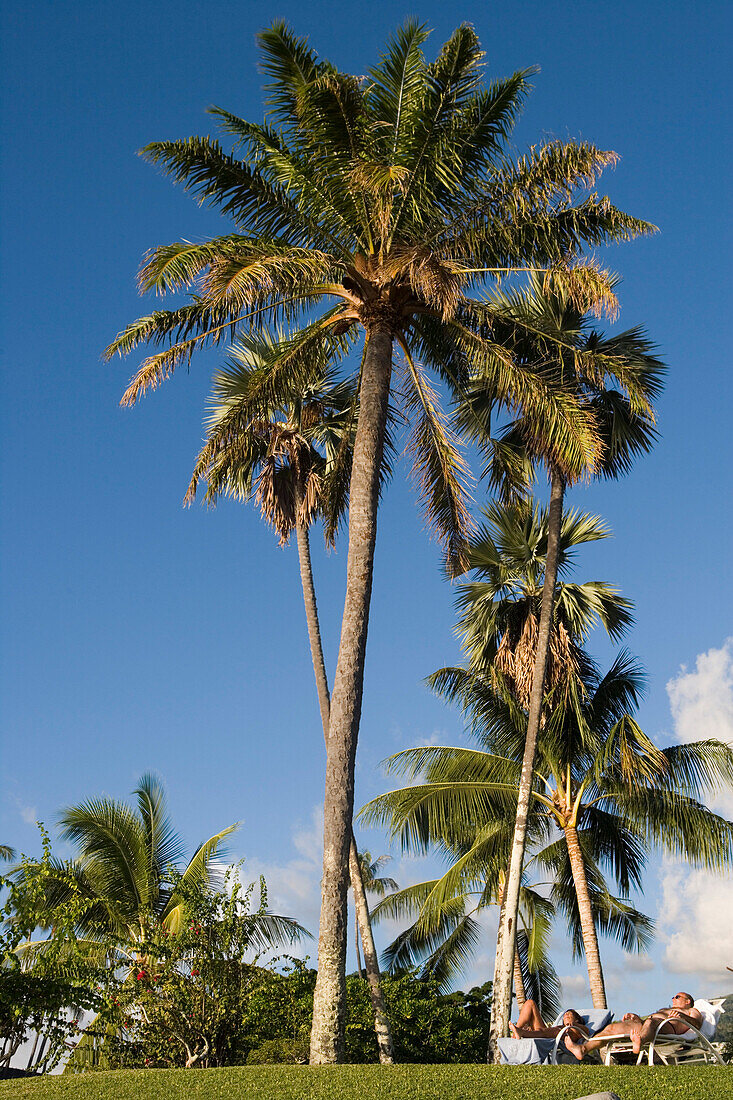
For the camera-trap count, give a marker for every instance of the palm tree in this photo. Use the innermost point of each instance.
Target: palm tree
(371, 883)
(126, 865)
(498, 625)
(600, 781)
(295, 458)
(390, 199)
(444, 931)
(614, 381)
(6, 852)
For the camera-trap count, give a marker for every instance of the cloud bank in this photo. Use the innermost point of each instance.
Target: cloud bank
(696, 919)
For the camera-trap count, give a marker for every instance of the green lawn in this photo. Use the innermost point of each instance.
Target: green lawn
(377, 1083)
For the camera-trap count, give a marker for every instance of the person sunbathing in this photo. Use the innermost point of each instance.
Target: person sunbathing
(530, 1024)
(679, 1019)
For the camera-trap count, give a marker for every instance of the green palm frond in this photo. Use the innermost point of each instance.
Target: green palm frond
(164, 845)
(439, 469)
(199, 872)
(112, 847)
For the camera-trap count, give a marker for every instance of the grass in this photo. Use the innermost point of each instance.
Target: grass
(452, 1082)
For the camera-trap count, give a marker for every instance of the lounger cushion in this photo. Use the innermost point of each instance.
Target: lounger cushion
(525, 1052)
(710, 1016)
(595, 1019)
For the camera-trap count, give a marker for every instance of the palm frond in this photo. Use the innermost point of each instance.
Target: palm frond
(439, 468)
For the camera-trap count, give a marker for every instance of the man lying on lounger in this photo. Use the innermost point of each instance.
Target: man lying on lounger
(679, 1017)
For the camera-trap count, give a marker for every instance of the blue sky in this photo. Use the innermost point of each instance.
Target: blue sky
(138, 635)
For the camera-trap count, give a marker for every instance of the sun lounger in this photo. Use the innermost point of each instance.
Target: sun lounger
(673, 1050)
(535, 1052)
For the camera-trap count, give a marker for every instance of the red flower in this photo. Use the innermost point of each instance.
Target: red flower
(140, 975)
(195, 973)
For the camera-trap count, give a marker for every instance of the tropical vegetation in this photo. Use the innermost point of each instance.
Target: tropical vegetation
(469, 821)
(390, 201)
(393, 277)
(614, 381)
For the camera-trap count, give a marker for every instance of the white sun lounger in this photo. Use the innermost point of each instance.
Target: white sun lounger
(673, 1050)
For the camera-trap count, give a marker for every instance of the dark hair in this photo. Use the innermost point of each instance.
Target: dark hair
(578, 1019)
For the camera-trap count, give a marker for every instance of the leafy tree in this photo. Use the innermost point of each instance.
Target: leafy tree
(428, 1026)
(180, 1004)
(614, 381)
(389, 199)
(45, 992)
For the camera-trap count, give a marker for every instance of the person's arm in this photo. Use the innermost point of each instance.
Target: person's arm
(691, 1016)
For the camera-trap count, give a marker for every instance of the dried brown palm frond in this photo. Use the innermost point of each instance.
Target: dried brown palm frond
(588, 287)
(517, 650)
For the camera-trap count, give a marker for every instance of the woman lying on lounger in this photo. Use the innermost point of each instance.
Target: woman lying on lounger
(530, 1025)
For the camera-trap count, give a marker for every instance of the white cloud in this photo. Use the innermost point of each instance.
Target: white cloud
(29, 814)
(696, 927)
(637, 964)
(575, 988)
(294, 887)
(701, 702)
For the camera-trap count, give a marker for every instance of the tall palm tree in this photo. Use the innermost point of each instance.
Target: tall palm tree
(294, 457)
(500, 608)
(615, 381)
(600, 781)
(388, 200)
(371, 883)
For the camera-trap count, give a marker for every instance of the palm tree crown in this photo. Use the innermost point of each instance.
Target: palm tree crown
(390, 196)
(294, 457)
(127, 863)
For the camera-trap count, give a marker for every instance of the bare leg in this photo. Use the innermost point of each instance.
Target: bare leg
(649, 1028)
(529, 1017)
(613, 1031)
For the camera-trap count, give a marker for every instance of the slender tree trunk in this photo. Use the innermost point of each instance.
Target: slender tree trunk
(311, 615)
(371, 961)
(503, 971)
(587, 924)
(359, 970)
(519, 981)
(330, 992)
(363, 922)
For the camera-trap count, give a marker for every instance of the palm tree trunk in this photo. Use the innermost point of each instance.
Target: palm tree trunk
(359, 970)
(371, 961)
(519, 989)
(327, 1033)
(504, 966)
(587, 924)
(363, 922)
(311, 615)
